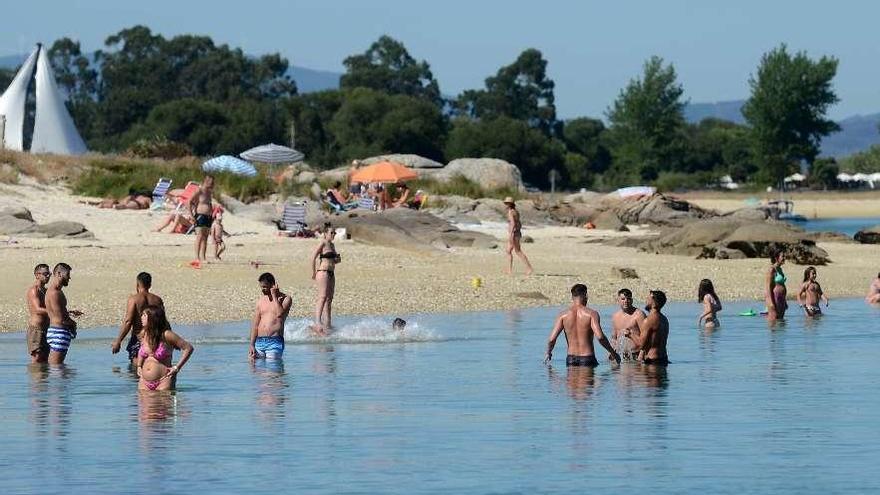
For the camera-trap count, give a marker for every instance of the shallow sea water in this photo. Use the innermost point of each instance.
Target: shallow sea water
(460, 404)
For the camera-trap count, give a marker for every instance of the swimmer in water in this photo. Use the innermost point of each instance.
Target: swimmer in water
(873, 296)
(653, 331)
(811, 293)
(398, 325)
(627, 317)
(580, 324)
(711, 305)
(774, 286)
(267, 327)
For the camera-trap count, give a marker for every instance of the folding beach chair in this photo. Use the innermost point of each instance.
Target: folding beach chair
(187, 194)
(366, 203)
(159, 193)
(293, 218)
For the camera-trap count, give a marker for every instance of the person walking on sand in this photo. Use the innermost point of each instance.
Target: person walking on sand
(201, 206)
(38, 317)
(653, 331)
(62, 327)
(711, 305)
(217, 232)
(131, 322)
(514, 237)
(267, 327)
(628, 317)
(811, 293)
(873, 296)
(580, 324)
(154, 368)
(775, 291)
(324, 261)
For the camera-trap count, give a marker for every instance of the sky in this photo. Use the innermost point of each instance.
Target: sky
(593, 48)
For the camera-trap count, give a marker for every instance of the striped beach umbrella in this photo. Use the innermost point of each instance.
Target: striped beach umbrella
(231, 164)
(273, 153)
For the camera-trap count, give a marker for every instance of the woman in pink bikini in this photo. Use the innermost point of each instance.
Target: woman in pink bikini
(154, 357)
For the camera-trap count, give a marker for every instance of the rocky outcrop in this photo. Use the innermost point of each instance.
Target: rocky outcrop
(18, 221)
(489, 173)
(411, 161)
(411, 230)
(657, 210)
(869, 236)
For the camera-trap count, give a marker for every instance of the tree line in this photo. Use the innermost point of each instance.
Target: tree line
(214, 99)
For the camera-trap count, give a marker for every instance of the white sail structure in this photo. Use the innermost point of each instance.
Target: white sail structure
(12, 104)
(54, 131)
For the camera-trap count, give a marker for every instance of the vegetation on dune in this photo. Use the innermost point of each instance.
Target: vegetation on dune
(150, 96)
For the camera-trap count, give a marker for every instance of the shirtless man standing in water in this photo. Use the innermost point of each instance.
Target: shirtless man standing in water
(38, 317)
(653, 331)
(62, 328)
(628, 317)
(202, 208)
(514, 237)
(580, 324)
(137, 303)
(267, 328)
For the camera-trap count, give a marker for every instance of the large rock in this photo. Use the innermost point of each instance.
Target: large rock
(490, 173)
(65, 228)
(608, 220)
(411, 230)
(411, 161)
(656, 210)
(19, 212)
(869, 236)
(748, 214)
(10, 225)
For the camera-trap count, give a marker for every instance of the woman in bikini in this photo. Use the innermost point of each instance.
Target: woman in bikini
(324, 261)
(154, 357)
(811, 292)
(776, 292)
(711, 305)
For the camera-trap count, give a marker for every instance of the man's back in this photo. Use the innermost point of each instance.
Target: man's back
(141, 301)
(577, 325)
(656, 347)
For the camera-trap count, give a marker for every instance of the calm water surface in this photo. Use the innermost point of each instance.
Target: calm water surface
(461, 405)
(848, 226)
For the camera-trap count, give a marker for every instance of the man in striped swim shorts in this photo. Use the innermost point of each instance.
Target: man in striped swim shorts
(62, 328)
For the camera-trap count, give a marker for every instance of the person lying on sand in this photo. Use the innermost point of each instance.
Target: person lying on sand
(180, 222)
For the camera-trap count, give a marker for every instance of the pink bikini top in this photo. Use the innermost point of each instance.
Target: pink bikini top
(161, 353)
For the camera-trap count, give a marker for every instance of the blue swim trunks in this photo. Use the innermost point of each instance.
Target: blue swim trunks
(269, 347)
(59, 339)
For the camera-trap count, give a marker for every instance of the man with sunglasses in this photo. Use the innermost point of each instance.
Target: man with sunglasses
(62, 327)
(38, 318)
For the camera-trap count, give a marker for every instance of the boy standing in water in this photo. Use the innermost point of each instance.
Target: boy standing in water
(811, 292)
(580, 324)
(267, 328)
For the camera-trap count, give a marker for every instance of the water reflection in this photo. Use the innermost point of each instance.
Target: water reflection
(271, 389)
(324, 368)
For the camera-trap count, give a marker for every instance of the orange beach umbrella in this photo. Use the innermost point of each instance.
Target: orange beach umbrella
(383, 172)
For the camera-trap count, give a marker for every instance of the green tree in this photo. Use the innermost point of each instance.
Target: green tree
(823, 173)
(866, 162)
(584, 136)
(520, 91)
(647, 126)
(720, 147)
(312, 113)
(508, 139)
(388, 67)
(370, 123)
(787, 110)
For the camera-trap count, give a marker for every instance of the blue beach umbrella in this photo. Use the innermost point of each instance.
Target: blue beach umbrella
(231, 164)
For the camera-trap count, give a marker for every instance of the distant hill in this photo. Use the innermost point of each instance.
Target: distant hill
(857, 133)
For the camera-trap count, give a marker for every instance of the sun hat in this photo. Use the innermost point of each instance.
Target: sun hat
(508, 201)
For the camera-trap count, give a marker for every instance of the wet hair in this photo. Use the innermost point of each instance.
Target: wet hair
(807, 272)
(774, 254)
(398, 324)
(62, 268)
(706, 287)
(145, 279)
(579, 291)
(659, 298)
(41, 267)
(267, 278)
(625, 293)
(156, 325)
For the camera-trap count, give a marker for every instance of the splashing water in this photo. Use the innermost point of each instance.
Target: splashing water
(366, 331)
(624, 347)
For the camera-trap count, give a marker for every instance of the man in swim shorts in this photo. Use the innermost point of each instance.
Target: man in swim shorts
(137, 302)
(62, 328)
(653, 331)
(874, 291)
(202, 207)
(580, 324)
(267, 328)
(628, 317)
(38, 318)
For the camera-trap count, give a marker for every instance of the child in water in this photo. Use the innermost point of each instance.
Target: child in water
(398, 325)
(812, 293)
(217, 232)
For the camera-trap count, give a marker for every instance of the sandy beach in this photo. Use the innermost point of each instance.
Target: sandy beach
(371, 280)
(811, 204)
